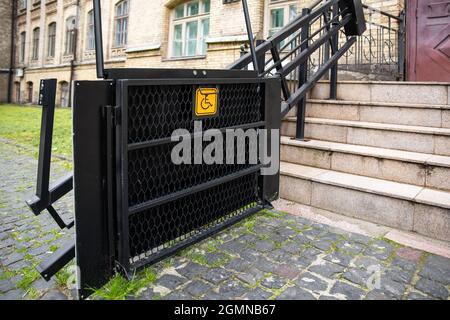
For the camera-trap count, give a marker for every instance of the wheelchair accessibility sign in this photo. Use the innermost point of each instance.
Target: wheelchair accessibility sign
(206, 102)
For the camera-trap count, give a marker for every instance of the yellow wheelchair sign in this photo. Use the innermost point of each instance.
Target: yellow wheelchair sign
(206, 100)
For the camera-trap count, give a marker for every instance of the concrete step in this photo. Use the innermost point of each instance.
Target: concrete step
(408, 138)
(387, 91)
(419, 169)
(388, 203)
(380, 112)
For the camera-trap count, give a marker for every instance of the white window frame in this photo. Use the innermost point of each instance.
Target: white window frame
(123, 32)
(183, 21)
(279, 4)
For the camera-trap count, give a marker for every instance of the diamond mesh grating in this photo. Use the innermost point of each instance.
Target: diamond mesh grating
(154, 112)
(166, 225)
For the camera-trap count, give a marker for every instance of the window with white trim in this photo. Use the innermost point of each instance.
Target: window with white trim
(190, 28)
(280, 13)
(121, 23)
(90, 38)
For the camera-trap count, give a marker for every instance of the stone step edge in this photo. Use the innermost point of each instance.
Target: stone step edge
(375, 126)
(368, 151)
(386, 188)
(380, 104)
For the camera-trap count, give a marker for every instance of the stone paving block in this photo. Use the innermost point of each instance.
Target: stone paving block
(379, 295)
(312, 283)
(437, 268)
(265, 265)
(258, 294)
(216, 275)
(347, 291)
(339, 257)
(16, 294)
(197, 288)
(231, 290)
(417, 296)
(170, 281)
(264, 246)
(238, 264)
(295, 293)
(357, 276)
(251, 277)
(327, 269)
(432, 288)
(6, 285)
(274, 282)
(287, 271)
(176, 295)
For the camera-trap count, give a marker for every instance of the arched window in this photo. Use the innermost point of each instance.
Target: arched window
(90, 39)
(51, 40)
(36, 34)
(70, 35)
(121, 23)
(23, 36)
(190, 28)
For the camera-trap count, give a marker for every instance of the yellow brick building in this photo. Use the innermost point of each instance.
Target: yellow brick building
(54, 38)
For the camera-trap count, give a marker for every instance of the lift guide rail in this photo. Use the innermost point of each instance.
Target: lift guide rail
(133, 205)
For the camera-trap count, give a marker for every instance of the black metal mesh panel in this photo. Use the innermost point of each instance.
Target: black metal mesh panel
(152, 174)
(168, 224)
(156, 111)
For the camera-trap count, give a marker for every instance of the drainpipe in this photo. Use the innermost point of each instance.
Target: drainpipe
(75, 49)
(12, 51)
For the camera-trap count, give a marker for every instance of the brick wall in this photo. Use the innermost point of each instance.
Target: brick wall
(5, 47)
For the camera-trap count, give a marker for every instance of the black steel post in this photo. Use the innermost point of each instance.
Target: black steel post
(99, 59)
(248, 24)
(302, 79)
(334, 46)
(401, 46)
(47, 95)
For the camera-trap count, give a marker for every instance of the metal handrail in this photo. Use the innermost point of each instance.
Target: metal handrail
(292, 48)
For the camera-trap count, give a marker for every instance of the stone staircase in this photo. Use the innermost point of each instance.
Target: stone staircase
(381, 153)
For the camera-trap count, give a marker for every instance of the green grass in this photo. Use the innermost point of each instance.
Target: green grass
(118, 288)
(21, 124)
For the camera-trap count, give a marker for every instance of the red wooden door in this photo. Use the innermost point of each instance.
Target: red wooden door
(428, 40)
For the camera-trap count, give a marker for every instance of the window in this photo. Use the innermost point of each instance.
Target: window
(90, 39)
(280, 14)
(121, 24)
(51, 40)
(71, 34)
(22, 47)
(35, 51)
(190, 28)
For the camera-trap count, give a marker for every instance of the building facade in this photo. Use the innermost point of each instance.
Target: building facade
(55, 38)
(6, 12)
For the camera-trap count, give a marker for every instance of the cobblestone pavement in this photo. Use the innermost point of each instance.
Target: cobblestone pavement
(272, 255)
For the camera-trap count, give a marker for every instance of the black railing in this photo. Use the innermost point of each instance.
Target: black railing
(381, 50)
(306, 50)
